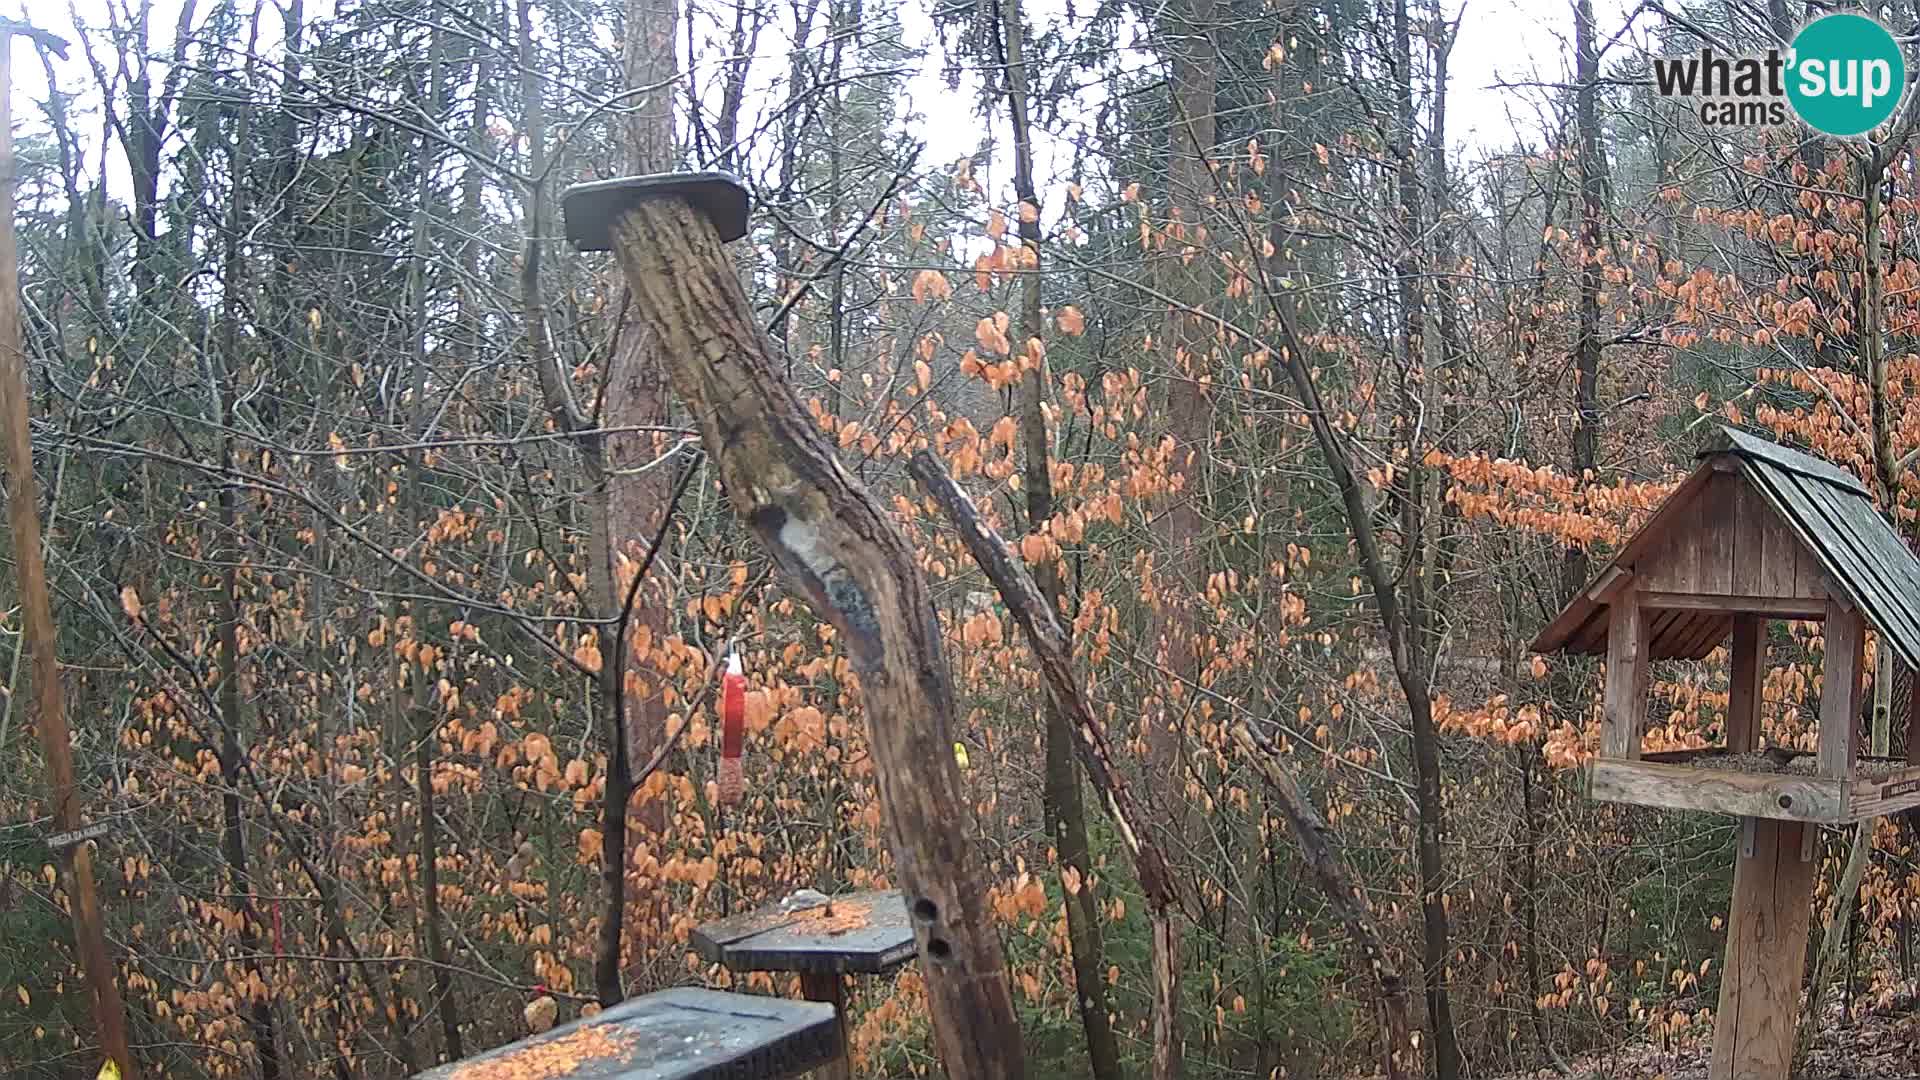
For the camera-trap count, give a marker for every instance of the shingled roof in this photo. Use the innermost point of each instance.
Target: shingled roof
(1826, 508)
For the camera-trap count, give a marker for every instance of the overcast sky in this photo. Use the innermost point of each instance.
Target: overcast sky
(1502, 43)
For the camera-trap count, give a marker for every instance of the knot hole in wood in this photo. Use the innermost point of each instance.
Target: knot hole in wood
(926, 912)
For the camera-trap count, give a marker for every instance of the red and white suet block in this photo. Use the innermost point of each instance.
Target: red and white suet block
(731, 782)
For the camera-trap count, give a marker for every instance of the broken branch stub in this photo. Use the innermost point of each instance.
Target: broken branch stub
(837, 546)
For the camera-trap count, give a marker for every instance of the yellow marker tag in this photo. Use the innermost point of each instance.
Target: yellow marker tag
(109, 1071)
(960, 754)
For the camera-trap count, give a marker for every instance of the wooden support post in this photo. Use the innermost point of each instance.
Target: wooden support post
(1840, 690)
(837, 546)
(830, 987)
(1880, 737)
(1624, 721)
(1766, 951)
(1749, 673)
(1913, 718)
(36, 603)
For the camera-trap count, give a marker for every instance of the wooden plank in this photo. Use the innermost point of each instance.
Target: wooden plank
(1661, 626)
(1706, 633)
(1779, 607)
(1884, 795)
(1591, 639)
(1627, 676)
(1753, 529)
(681, 1034)
(1840, 690)
(1743, 692)
(1778, 491)
(1677, 643)
(1766, 951)
(1673, 516)
(1778, 796)
(1715, 539)
(1913, 719)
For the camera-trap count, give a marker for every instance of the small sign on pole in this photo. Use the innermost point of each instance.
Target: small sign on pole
(67, 839)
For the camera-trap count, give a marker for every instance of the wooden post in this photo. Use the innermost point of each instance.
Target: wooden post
(1840, 690)
(109, 1013)
(1766, 951)
(1913, 718)
(1880, 732)
(1749, 673)
(837, 546)
(830, 987)
(1627, 674)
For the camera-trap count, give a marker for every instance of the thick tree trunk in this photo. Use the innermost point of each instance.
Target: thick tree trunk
(1066, 817)
(838, 547)
(629, 504)
(1178, 530)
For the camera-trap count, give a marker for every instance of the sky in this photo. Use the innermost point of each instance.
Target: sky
(1502, 44)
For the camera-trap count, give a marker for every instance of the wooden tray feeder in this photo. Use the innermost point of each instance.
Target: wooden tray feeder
(865, 933)
(682, 1034)
(1757, 532)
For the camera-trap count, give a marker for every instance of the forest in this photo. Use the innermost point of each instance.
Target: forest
(393, 572)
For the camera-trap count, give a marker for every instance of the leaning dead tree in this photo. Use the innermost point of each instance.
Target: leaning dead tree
(835, 543)
(1048, 640)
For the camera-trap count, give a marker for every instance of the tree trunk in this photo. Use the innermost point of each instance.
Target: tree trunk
(1586, 342)
(426, 727)
(233, 826)
(1417, 630)
(628, 503)
(36, 606)
(1177, 527)
(1065, 815)
(838, 547)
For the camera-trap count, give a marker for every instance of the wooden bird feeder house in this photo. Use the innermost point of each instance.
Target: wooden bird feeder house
(1757, 532)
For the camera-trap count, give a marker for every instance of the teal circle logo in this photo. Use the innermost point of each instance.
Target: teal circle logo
(1847, 74)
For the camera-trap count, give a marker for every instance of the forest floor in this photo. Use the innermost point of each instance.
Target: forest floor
(1877, 1046)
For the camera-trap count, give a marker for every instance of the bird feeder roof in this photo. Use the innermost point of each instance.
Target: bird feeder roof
(1809, 529)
